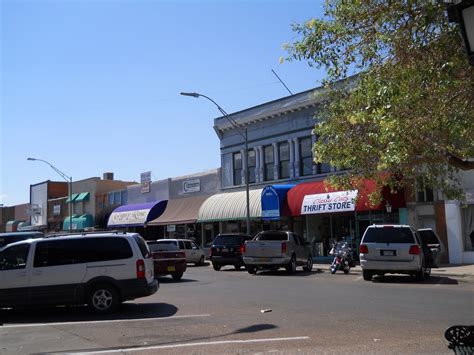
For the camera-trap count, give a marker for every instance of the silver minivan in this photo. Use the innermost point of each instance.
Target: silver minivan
(393, 249)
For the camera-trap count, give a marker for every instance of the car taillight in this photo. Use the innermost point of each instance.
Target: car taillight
(242, 249)
(283, 247)
(364, 249)
(210, 251)
(140, 269)
(414, 250)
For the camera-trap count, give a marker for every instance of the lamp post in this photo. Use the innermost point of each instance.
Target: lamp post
(65, 177)
(462, 12)
(243, 133)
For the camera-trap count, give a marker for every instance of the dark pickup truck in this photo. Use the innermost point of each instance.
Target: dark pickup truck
(227, 249)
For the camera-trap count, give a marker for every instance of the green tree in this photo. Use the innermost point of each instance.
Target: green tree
(409, 112)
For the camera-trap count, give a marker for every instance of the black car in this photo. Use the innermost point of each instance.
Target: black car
(227, 249)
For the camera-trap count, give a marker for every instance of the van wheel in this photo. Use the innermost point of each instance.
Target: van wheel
(177, 275)
(103, 299)
(216, 267)
(367, 275)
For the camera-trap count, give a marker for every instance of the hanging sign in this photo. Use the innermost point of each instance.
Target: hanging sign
(329, 202)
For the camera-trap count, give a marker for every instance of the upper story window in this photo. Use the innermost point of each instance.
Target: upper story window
(424, 193)
(237, 161)
(306, 156)
(252, 165)
(269, 163)
(284, 150)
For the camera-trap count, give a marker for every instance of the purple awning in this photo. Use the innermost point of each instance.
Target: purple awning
(136, 215)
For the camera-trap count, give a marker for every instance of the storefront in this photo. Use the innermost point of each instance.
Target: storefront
(135, 218)
(179, 220)
(322, 214)
(227, 213)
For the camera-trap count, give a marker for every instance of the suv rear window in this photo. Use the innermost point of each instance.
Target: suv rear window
(271, 236)
(229, 239)
(160, 246)
(388, 235)
(142, 245)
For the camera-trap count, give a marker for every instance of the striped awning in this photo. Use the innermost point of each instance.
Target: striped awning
(231, 206)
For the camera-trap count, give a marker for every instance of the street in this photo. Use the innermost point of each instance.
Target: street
(233, 312)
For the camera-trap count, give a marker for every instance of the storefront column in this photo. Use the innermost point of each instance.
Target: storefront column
(313, 142)
(297, 157)
(276, 161)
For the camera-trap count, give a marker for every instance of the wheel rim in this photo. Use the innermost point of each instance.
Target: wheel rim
(102, 299)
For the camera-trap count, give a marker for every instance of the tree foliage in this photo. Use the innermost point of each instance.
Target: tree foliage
(409, 112)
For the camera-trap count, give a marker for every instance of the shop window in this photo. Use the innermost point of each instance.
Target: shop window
(306, 157)
(237, 161)
(284, 150)
(252, 165)
(468, 226)
(269, 163)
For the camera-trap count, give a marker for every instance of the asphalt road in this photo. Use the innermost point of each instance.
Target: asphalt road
(233, 312)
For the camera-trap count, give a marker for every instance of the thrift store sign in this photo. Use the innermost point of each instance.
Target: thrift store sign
(340, 201)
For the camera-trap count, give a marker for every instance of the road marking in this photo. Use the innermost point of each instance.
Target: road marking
(158, 347)
(101, 321)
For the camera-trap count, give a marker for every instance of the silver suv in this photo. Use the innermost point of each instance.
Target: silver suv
(394, 249)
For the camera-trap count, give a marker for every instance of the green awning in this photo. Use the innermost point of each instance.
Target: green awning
(83, 196)
(79, 222)
(73, 197)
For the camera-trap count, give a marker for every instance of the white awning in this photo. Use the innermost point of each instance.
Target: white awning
(231, 206)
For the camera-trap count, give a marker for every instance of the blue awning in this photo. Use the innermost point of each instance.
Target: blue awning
(136, 215)
(274, 202)
(79, 222)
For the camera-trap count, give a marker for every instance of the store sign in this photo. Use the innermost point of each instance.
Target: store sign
(145, 180)
(56, 210)
(193, 185)
(270, 203)
(128, 217)
(340, 201)
(171, 228)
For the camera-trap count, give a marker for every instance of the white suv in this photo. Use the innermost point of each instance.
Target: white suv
(394, 249)
(98, 269)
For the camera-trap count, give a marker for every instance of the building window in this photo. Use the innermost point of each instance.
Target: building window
(237, 168)
(423, 192)
(306, 156)
(323, 168)
(284, 149)
(252, 165)
(269, 163)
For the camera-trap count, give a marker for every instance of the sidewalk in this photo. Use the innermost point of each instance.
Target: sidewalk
(466, 270)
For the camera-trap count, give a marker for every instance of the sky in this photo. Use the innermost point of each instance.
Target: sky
(93, 86)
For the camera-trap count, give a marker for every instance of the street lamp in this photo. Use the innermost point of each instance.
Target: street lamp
(462, 12)
(243, 133)
(65, 177)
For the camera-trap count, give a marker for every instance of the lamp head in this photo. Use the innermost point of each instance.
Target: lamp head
(33, 159)
(193, 94)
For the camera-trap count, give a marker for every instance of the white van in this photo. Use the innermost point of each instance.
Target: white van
(100, 270)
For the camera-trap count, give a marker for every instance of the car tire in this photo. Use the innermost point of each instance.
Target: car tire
(309, 264)
(216, 267)
(291, 267)
(367, 275)
(201, 261)
(177, 275)
(103, 299)
(424, 273)
(237, 267)
(251, 270)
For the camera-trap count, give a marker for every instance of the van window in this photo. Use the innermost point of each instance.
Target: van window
(388, 235)
(104, 249)
(181, 245)
(14, 257)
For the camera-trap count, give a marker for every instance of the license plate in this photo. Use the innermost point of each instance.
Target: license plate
(171, 268)
(388, 252)
(265, 259)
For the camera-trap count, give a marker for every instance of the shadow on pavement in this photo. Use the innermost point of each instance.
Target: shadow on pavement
(170, 280)
(282, 272)
(82, 314)
(206, 263)
(406, 279)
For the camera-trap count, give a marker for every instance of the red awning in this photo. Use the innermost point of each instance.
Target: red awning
(296, 195)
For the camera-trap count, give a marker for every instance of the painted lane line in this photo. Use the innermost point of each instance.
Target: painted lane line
(102, 321)
(158, 347)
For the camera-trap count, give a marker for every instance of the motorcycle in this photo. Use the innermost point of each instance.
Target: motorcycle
(342, 257)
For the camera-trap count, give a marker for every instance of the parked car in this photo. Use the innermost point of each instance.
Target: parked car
(167, 258)
(12, 237)
(194, 254)
(394, 249)
(226, 249)
(100, 270)
(430, 239)
(275, 249)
